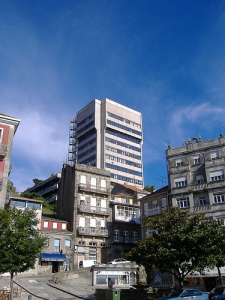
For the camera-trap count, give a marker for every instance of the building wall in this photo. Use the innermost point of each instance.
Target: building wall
(196, 176)
(81, 203)
(8, 127)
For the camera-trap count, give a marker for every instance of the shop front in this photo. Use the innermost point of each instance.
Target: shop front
(55, 260)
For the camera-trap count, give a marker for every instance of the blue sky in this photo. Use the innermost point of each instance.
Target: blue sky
(164, 58)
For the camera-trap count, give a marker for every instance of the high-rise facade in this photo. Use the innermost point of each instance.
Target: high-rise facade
(108, 135)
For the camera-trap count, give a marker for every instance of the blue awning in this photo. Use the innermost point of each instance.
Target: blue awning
(53, 257)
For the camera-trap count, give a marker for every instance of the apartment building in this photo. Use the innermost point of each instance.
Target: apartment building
(83, 201)
(152, 205)
(109, 136)
(8, 127)
(196, 176)
(57, 255)
(47, 188)
(126, 222)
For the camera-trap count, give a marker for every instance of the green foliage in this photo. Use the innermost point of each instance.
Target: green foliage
(149, 188)
(182, 243)
(21, 242)
(11, 190)
(36, 181)
(32, 195)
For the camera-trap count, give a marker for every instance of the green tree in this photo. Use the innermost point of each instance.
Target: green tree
(181, 244)
(36, 181)
(21, 242)
(149, 188)
(11, 190)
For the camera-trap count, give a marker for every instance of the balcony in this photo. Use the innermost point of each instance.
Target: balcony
(94, 189)
(93, 209)
(215, 162)
(3, 150)
(201, 208)
(92, 231)
(200, 187)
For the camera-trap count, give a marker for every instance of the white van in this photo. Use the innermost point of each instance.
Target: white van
(87, 263)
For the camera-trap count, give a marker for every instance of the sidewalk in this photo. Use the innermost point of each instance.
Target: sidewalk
(39, 288)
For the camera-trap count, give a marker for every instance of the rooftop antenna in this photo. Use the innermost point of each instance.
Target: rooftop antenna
(162, 179)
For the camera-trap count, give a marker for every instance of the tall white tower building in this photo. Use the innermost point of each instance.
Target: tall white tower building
(108, 135)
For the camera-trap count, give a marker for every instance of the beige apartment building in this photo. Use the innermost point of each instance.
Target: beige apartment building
(108, 135)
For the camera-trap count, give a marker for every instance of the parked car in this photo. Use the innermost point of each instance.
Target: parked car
(119, 261)
(218, 293)
(186, 294)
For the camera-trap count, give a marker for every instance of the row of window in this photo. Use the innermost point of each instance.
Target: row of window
(122, 169)
(92, 222)
(57, 244)
(26, 204)
(91, 124)
(122, 144)
(123, 136)
(124, 161)
(184, 202)
(197, 158)
(92, 244)
(55, 225)
(91, 161)
(86, 120)
(129, 212)
(123, 119)
(214, 176)
(119, 151)
(125, 235)
(123, 127)
(126, 179)
(88, 144)
(86, 137)
(93, 181)
(89, 151)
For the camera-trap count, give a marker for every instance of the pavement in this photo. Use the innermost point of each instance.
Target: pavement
(38, 287)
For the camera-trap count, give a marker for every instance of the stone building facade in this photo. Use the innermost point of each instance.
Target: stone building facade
(83, 201)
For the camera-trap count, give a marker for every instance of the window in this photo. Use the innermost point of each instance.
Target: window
(202, 201)
(63, 225)
(93, 203)
(54, 225)
(221, 220)
(181, 181)
(92, 225)
(82, 222)
(196, 159)
(46, 243)
(218, 198)
(125, 236)
(103, 205)
(199, 179)
(179, 162)
(68, 243)
(217, 175)
(18, 203)
(93, 244)
(1, 134)
(33, 205)
(93, 183)
(134, 236)
(145, 209)
(103, 224)
(183, 202)
(103, 184)
(214, 155)
(45, 224)
(164, 203)
(56, 245)
(83, 179)
(81, 243)
(116, 235)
